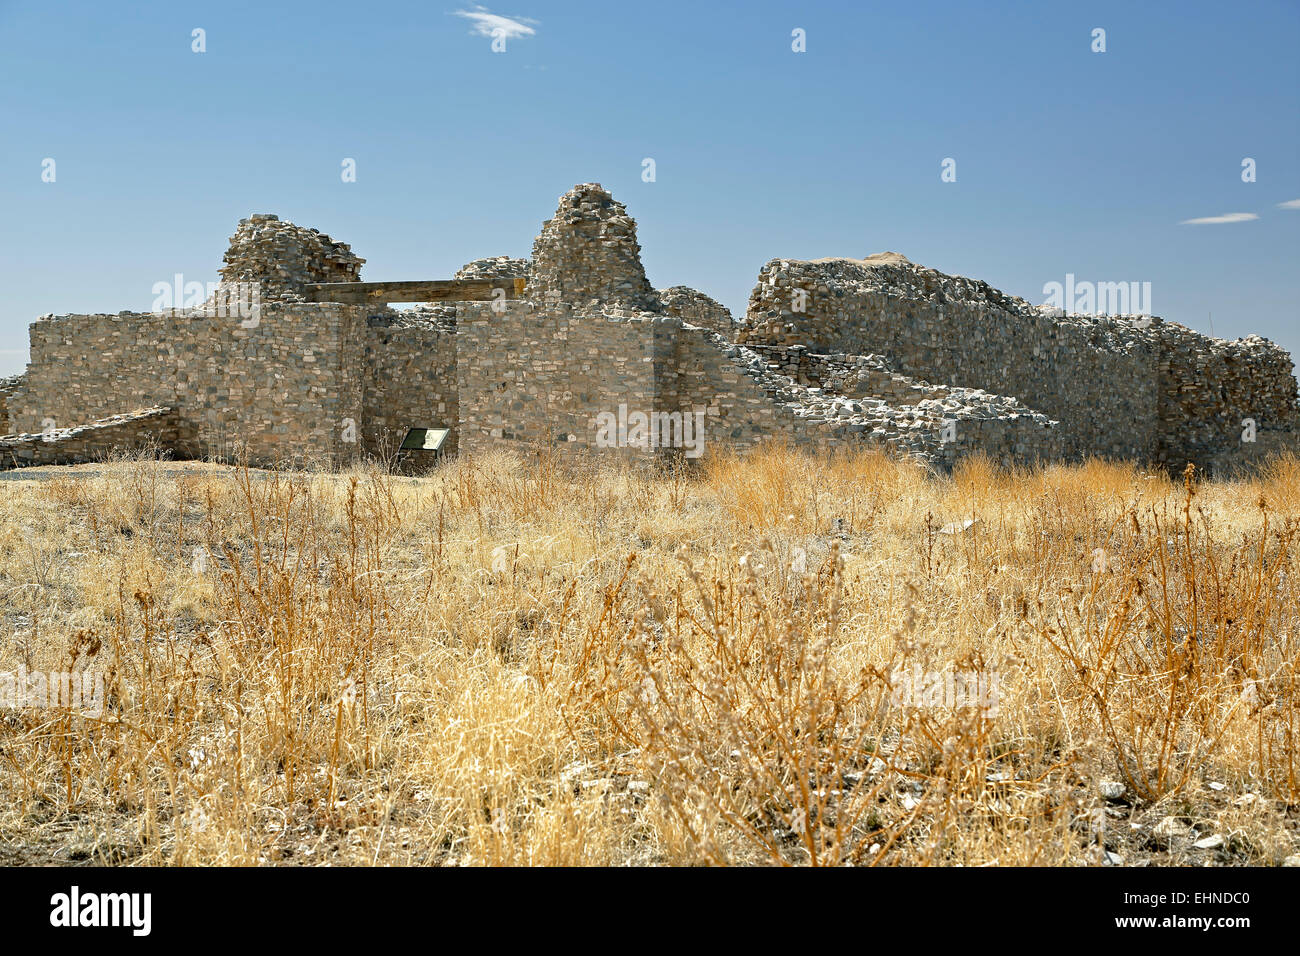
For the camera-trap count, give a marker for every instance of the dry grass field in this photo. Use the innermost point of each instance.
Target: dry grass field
(774, 660)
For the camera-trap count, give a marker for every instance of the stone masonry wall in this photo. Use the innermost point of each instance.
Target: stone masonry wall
(283, 387)
(539, 378)
(1211, 389)
(531, 379)
(535, 379)
(834, 353)
(1126, 386)
(590, 340)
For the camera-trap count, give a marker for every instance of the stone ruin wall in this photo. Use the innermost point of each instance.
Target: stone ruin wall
(1209, 387)
(593, 335)
(530, 378)
(962, 334)
(527, 378)
(283, 387)
(1160, 393)
(536, 379)
(289, 388)
(286, 385)
(587, 253)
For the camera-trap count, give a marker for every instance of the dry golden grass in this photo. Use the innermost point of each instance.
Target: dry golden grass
(509, 663)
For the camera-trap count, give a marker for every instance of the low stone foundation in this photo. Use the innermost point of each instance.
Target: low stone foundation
(158, 427)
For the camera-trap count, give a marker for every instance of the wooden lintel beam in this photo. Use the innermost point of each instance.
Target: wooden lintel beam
(437, 290)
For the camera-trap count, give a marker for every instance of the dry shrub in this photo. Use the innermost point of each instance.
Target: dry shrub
(513, 661)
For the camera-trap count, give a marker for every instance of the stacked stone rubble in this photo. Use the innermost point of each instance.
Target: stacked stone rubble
(693, 306)
(587, 254)
(494, 267)
(282, 257)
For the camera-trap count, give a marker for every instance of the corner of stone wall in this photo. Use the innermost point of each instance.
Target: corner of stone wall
(9, 388)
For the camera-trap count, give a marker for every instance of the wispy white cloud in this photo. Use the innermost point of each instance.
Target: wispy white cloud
(488, 24)
(1289, 204)
(1216, 220)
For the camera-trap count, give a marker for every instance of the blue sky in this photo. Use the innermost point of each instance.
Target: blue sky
(1067, 160)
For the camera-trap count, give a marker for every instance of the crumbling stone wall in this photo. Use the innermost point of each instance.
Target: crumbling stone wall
(158, 427)
(533, 379)
(1124, 386)
(539, 378)
(282, 257)
(935, 424)
(693, 306)
(587, 253)
(1097, 377)
(589, 339)
(834, 353)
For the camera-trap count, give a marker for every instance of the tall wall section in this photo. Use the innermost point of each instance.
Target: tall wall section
(537, 378)
(283, 387)
(587, 255)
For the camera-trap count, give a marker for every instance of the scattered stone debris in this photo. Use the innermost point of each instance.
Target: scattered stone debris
(1111, 789)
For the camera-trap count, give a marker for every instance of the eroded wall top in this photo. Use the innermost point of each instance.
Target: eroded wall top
(284, 257)
(693, 306)
(588, 254)
(494, 267)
